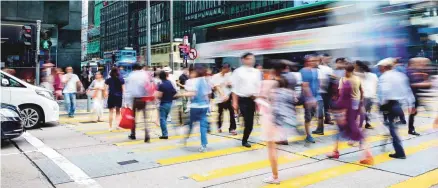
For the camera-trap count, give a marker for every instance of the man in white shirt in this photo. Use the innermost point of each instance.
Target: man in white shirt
(324, 73)
(222, 87)
(394, 86)
(71, 82)
(246, 83)
(135, 90)
(369, 84)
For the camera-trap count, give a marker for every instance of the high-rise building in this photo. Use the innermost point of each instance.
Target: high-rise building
(225, 29)
(60, 34)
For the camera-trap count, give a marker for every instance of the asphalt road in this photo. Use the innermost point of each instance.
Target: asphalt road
(81, 153)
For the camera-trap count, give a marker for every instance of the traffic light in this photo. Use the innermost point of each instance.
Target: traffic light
(46, 44)
(27, 36)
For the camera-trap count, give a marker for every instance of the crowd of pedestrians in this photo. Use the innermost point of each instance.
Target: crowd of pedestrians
(342, 95)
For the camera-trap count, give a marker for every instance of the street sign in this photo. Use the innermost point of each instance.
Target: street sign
(193, 54)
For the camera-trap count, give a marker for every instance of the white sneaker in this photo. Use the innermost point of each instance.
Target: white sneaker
(110, 129)
(271, 180)
(202, 149)
(169, 119)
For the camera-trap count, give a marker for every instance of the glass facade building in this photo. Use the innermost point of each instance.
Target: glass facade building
(123, 23)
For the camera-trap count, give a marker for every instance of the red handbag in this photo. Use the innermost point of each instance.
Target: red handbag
(128, 120)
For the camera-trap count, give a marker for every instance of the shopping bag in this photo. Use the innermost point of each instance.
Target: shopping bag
(128, 120)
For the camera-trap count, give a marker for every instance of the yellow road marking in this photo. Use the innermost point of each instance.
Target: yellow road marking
(329, 173)
(114, 131)
(425, 180)
(209, 154)
(170, 147)
(134, 142)
(121, 136)
(238, 169)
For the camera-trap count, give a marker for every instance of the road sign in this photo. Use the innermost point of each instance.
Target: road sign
(193, 54)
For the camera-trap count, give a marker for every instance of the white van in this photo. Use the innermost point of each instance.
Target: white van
(37, 105)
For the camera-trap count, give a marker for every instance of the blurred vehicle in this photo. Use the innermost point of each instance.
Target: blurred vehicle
(124, 59)
(37, 105)
(12, 125)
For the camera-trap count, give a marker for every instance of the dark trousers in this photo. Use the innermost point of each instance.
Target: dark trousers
(226, 106)
(368, 103)
(326, 98)
(401, 118)
(412, 116)
(247, 108)
(392, 109)
(140, 105)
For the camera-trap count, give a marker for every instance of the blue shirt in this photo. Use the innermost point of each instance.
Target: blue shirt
(168, 91)
(115, 86)
(202, 89)
(311, 76)
(401, 68)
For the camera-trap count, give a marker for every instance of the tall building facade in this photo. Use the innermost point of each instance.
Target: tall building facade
(93, 46)
(221, 25)
(123, 23)
(61, 25)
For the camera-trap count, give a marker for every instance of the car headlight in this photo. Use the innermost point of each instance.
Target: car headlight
(45, 94)
(8, 115)
(3, 118)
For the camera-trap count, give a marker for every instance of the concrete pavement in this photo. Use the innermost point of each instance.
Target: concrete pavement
(112, 160)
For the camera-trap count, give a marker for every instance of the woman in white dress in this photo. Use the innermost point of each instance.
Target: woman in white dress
(97, 92)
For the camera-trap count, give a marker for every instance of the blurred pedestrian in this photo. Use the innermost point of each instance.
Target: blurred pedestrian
(393, 86)
(398, 66)
(271, 132)
(208, 76)
(165, 93)
(45, 83)
(311, 95)
(369, 83)
(222, 87)
(72, 85)
(134, 96)
(172, 80)
(115, 86)
(57, 83)
(347, 106)
(156, 111)
(97, 92)
(246, 83)
(85, 76)
(276, 102)
(282, 71)
(199, 90)
(419, 81)
(324, 73)
(181, 83)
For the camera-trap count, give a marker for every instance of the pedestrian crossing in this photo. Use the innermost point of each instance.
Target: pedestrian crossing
(223, 144)
(322, 175)
(233, 170)
(425, 180)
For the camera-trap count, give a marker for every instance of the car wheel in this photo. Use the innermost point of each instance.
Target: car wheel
(31, 117)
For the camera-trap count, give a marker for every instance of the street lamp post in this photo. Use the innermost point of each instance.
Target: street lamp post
(148, 41)
(37, 53)
(171, 35)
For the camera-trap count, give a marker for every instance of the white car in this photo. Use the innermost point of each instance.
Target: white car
(37, 105)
